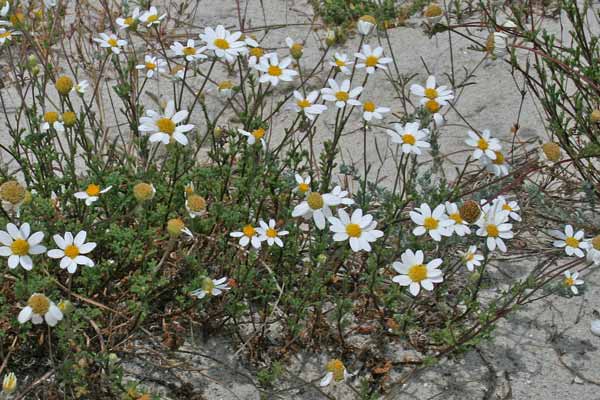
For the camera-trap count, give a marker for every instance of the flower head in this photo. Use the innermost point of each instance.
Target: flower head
(195, 205)
(415, 274)
(318, 205)
(91, 193)
(256, 136)
(358, 229)
(485, 145)
(38, 309)
(63, 85)
(211, 287)
(366, 24)
(341, 63)
(460, 226)
(129, 22)
(151, 17)
(571, 281)
(71, 251)
(164, 128)
(270, 233)
(494, 227)
(152, 65)
(9, 383)
(573, 242)
(273, 70)
(190, 52)
(306, 104)
(111, 42)
(371, 110)
(432, 97)
(248, 234)
(224, 44)
(52, 119)
(18, 244)
(371, 59)
(471, 258)
(303, 184)
(436, 223)
(410, 137)
(144, 192)
(336, 372)
(341, 94)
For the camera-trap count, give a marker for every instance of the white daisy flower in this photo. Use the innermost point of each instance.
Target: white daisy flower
(571, 281)
(81, 87)
(152, 65)
(498, 166)
(111, 42)
(52, 120)
(460, 226)
(410, 137)
(190, 52)
(248, 234)
(342, 195)
(317, 206)
(225, 44)
(151, 17)
(257, 135)
(269, 233)
(485, 145)
(336, 372)
(38, 309)
(195, 205)
(370, 111)
(211, 287)
(164, 128)
(415, 274)
(512, 207)
(19, 246)
(436, 223)
(9, 382)
(91, 193)
(371, 59)
(306, 104)
(129, 22)
(71, 249)
(358, 229)
(303, 184)
(6, 34)
(274, 70)
(432, 92)
(572, 241)
(341, 94)
(493, 225)
(365, 25)
(341, 63)
(471, 258)
(255, 52)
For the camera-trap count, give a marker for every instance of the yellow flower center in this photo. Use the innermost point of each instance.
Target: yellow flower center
(112, 42)
(63, 85)
(353, 230)
(492, 230)
(336, 367)
(51, 117)
(249, 230)
(257, 52)
(152, 18)
(272, 233)
(129, 21)
(19, 247)
(274, 70)
(569, 281)
(340, 63)
(596, 242)
(93, 190)
(499, 158)
(225, 85)
(258, 133)
(482, 144)
(409, 138)
(342, 96)
(572, 242)
(469, 257)
(371, 61)
(196, 203)
(5, 35)
(208, 285)
(189, 51)
(303, 187)
(71, 251)
(150, 65)
(506, 207)
(9, 383)
(143, 191)
(12, 191)
(433, 106)
(315, 201)
(433, 10)
(456, 217)
(221, 44)
(39, 304)
(430, 223)
(303, 103)
(369, 106)
(166, 125)
(431, 93)
(417, 272)
(69, 117)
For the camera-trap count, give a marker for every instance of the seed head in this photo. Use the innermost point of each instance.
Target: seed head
(470, 211)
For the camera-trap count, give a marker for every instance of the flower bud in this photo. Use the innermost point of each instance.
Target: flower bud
(330, 37)
(365, 24)
(69, 118)
(9, 383)
(296, 50)
(470, 211)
